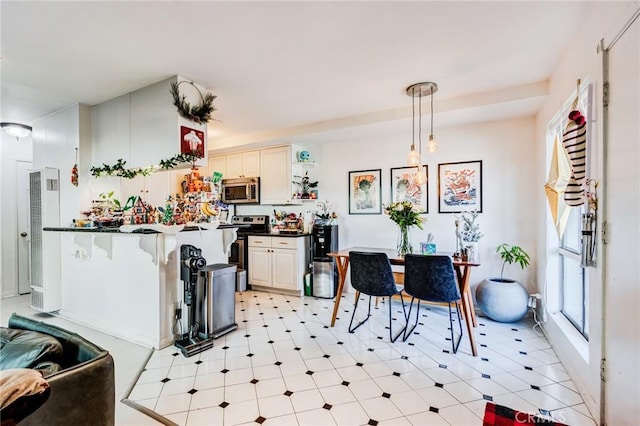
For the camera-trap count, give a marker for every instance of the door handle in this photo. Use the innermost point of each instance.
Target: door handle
(23, 234)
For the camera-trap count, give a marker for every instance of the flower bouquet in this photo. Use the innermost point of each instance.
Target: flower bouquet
(405, 215)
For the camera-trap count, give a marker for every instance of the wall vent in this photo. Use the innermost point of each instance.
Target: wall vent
(44, 247)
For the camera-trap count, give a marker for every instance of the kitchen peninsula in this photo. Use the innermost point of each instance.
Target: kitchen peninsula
(127, 284)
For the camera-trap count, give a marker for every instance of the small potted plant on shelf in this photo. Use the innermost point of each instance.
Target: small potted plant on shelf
(505, 299)
(305, 185)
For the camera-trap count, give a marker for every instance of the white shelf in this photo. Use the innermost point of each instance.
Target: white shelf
(305, 163)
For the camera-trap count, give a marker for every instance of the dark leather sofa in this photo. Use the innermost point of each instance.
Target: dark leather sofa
(82, 391)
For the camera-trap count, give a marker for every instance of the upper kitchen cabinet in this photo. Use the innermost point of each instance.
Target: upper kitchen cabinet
(276, 177)
(144, 126)
(243, 164)
(218, 163)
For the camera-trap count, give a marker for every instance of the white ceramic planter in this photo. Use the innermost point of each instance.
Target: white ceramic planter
(502, 300)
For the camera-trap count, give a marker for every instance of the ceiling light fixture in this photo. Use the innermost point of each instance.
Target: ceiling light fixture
(16, 129)
(418, 90)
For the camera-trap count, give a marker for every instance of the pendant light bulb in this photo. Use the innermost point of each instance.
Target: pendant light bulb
(419, 177)
(432, 146)
(413, 158)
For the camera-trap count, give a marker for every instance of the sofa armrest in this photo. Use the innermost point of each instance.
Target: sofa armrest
(83, 392)
(80, 395)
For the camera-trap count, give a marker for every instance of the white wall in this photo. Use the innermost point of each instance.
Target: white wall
(582, 359)
(55, 139)
(505, 148)
(11, 150)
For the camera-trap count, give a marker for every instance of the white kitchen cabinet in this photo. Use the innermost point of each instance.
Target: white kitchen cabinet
(239, 164)
(276, 176)
(260, 266)
(278, 263)
(218, 163)
(243, 164)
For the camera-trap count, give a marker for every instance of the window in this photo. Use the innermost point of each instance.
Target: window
(574, 293)
(573, 279)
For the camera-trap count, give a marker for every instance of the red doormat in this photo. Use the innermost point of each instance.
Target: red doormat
(499, 415)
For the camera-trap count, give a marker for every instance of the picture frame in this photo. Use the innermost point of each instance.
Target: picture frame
(460, 186)
(404, 187)
(365, 195)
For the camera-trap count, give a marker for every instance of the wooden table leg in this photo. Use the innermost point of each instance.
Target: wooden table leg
(342, 263)
(463, 274)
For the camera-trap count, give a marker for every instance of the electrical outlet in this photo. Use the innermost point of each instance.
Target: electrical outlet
(533, 301)
(178, 314)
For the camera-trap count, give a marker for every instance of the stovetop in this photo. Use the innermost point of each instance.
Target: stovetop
(254, 224)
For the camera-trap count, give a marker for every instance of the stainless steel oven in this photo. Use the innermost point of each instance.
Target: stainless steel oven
(241, 190)
(252, 224)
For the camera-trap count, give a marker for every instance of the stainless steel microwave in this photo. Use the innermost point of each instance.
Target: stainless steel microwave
(244, 190)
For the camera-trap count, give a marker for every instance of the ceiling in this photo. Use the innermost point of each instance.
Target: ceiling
(304, 71)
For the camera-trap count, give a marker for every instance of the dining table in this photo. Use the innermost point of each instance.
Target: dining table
(461, 267)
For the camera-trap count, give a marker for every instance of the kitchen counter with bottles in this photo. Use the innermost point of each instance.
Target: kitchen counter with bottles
(117, 230)
(127, 284)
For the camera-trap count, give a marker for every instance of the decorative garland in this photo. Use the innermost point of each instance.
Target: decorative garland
(119, 170)
(199, 113)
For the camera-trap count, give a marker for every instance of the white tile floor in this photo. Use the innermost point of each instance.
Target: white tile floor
(285, 366)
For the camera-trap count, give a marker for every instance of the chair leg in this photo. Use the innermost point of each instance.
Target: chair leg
(404, 314)
(353, 315)
(455, 344)
(407, 331)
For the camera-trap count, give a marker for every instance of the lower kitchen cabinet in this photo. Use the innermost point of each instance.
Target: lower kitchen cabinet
(279, 263)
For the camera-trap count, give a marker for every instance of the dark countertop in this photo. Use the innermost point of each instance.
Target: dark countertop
(272, 234)
(115, 230)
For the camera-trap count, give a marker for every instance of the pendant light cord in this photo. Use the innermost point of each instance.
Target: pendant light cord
(420, 128)
(431, 114)
(413, 117)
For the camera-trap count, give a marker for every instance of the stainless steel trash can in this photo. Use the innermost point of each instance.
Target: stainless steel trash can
(241, 280)
(323, 279)
(217, 314)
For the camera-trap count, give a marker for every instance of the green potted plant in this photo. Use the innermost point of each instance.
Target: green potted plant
(512, 254)
(305, 184)
(505, 299)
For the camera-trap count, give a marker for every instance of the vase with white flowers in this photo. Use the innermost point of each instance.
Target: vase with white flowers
(405, 214)
(325, 215)
(470, 235)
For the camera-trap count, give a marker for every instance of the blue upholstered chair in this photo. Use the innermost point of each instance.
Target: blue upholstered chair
(432, 279)
(371, 274)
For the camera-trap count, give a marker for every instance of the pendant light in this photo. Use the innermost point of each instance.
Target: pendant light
(414, 158)
(432, 146)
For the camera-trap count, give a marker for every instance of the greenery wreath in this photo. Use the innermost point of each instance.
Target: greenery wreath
(118, 169)
(200, 113)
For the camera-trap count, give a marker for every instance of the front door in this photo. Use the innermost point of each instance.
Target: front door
(22, 216)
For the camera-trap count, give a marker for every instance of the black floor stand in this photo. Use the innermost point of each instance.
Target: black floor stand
(192, 342)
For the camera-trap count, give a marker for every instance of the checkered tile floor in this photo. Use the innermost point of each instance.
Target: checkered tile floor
(285, 366)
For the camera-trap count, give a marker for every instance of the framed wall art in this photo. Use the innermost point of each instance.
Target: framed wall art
(365, 192)
(460, 187)
(405, 188)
